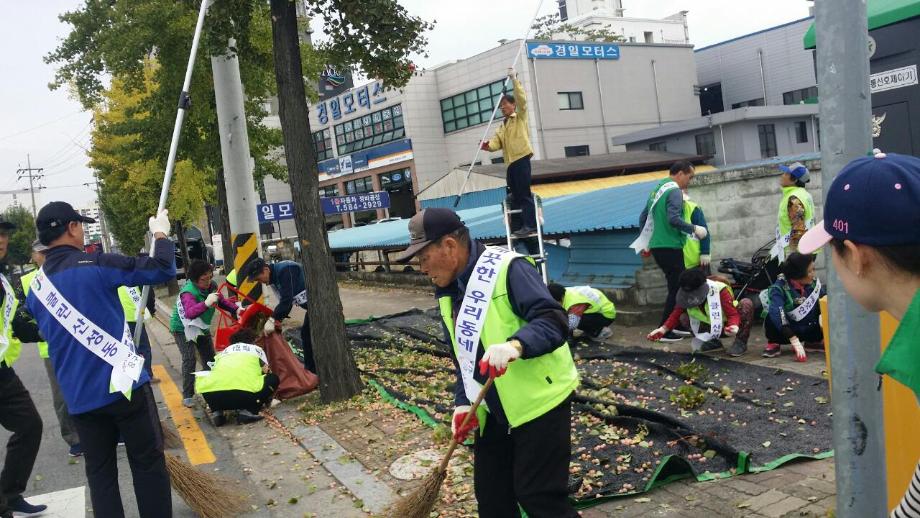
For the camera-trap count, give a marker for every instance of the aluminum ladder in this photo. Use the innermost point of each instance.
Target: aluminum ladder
(538, 255)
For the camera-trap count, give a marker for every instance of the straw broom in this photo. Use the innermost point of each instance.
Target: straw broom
(418, 503)
(171, 439)
(207, 495)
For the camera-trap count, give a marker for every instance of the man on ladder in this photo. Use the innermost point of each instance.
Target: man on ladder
(513, 138)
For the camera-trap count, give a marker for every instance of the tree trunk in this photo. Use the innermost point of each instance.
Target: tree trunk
(338, 374)
(226, 241)
(183, 245)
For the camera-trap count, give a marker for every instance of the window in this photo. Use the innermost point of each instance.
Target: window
(563, 11)
(649, 36)
(468, 109)
(370, 130)
(322, 145)
(767, 133)
(498, 160)
(571, 151)
(752, 102)
(632, 39)
(328, 191)
(705, 144)
(359, 186)
(801, 132)
(803, 96)
(571, 101)
(658, 146)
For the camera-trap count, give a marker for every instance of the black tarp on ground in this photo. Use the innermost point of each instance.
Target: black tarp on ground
(628, 434)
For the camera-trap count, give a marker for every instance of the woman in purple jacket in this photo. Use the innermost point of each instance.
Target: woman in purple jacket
(191, 322)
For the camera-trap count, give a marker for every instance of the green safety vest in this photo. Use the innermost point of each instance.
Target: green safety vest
(128, 305)
(691, 244)
(785, 225)
(531, 387)
(15, 348)
(665, 235)
(175, 323)
(703, 314)
(231, 278)
(26, 281)
(232, 371)
(595, 299)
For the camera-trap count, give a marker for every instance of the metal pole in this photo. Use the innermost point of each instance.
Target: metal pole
(845, 113)
(498, 98)
(536, 102)
(763, 78)
(657, 98)
(242, 197)
(184, 103)
(600, 94)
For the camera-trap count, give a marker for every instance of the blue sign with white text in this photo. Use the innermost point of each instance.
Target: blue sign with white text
(356, 202)
(275, 211)
(576, 50)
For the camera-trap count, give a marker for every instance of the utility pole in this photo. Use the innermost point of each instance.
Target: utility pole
(845, 110)
(28, 171)
(238, 166)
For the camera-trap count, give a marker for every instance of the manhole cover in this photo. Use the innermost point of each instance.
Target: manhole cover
(416, 465)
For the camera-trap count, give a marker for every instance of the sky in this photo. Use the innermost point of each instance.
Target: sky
(52, 128)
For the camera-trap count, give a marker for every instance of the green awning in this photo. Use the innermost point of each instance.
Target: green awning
(881, 13)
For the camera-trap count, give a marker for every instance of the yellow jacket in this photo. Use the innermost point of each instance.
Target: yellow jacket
(513, 136)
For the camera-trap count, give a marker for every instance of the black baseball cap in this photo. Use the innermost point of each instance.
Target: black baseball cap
(6, 226)
(428, 226)
(57, 214)
(252, 268)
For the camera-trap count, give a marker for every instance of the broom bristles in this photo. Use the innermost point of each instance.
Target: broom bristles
(207, 495)
(419, 502)
(171, 439)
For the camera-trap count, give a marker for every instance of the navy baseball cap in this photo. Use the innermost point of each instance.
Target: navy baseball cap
(875, 200)
(797, 170)
(252, 268)
(428, 226)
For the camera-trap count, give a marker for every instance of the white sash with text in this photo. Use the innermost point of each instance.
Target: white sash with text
(641, 242)
(715, 315)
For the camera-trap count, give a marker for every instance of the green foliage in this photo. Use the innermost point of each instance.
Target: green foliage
(693, 371)
(19, 249)
(546, 26)
(688, 397)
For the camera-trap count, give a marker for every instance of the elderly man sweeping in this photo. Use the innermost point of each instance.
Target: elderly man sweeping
(503, 323)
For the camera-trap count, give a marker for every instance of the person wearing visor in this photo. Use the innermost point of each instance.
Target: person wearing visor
(503, 323)
(74, 299)
(876, 254)
(796, 212)
(290, 286)
(17, 410)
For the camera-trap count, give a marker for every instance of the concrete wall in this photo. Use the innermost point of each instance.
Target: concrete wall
(741, 208)
(736, 64)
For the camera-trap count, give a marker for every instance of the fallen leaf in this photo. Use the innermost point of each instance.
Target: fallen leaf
(642, 500)
(766, 444)
(709, 454)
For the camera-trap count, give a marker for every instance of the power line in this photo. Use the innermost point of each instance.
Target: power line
(27, 172)
(33, 128)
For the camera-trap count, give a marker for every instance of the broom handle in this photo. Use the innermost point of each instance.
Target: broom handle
(469, 415)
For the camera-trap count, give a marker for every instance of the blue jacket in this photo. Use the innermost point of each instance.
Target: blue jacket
(90, 283)
(784, 297)
(547, 325)
(287, 279)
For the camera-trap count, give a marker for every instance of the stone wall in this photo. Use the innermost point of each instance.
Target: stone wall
(740, 206)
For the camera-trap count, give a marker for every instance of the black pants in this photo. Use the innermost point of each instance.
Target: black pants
(143, 348)
(593, 323)
(18, 415)
(138, 423)
(307, 343)
(192, 352)
(518, 179)
(242, 400)
(671, 262)
(776, 336)
(528, 466)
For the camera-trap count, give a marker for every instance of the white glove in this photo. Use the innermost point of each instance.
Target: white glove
(800, 355)
(700, 232)
(656, 335)
(159, 223)
(211, 300)
(460, 410)
(705, 260)
(510, 72)
(239, 311)
(269, 326)
(731, 330)
(499, 355)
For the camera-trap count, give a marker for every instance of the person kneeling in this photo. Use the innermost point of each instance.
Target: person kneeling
(708, 306)
(238, 380)
(793, 314)
(589, 311)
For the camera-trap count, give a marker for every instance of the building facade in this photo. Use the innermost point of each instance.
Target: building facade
(92, 232)
(767, 68)
(371, 138)
(609, 14)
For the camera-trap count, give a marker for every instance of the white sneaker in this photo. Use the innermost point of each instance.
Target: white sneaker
(275, 402)
(188, 402)
(578, 333)
(605, 333)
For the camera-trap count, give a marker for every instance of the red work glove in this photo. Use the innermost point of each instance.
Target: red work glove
(484, 145)
(460, 432)
(645, 253)
(800, 355)
(656, 335)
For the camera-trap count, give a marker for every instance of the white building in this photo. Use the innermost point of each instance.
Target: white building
(580, 95)
(91, 231)
(597, 14)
